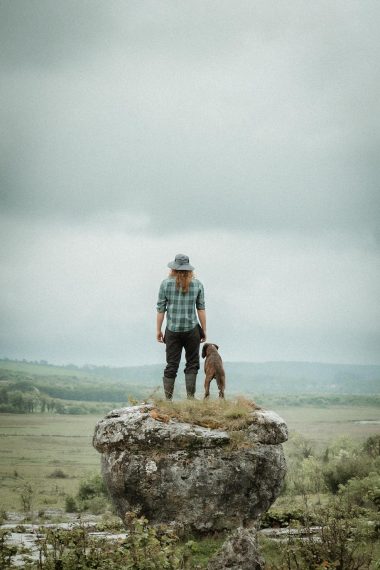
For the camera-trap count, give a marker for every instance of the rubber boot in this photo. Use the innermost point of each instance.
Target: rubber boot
(190, 379)
(168, 387)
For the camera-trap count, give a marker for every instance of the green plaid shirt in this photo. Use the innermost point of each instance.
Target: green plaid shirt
(180, 307)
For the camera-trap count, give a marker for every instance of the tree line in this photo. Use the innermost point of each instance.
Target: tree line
(22, 402)
(27, 393)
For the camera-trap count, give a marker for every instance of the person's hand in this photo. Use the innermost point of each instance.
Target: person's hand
(160, 336)
(203, 338)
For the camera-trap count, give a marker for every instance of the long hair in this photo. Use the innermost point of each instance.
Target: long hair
(182, 279)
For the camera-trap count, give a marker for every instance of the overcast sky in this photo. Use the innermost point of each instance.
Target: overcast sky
(242, 133)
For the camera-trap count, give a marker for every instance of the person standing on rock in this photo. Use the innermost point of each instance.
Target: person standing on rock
(181, 297)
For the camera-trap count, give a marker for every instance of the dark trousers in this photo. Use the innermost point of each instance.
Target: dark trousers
(175, 342)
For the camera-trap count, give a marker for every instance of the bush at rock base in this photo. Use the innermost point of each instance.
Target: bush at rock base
(144, 547)
(335, 536)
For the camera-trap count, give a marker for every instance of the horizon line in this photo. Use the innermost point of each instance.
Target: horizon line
(44, 362)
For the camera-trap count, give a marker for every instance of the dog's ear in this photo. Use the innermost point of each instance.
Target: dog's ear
(204, 349)
(216, 346)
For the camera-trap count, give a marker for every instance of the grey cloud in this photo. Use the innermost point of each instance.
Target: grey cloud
(42, 33)
(257, 116)
(244, 134)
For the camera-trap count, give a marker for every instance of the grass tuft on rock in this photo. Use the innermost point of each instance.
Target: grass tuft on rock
(231, 415)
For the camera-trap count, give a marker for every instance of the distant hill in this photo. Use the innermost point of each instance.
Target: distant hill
(272, 377)
(37, 387)
(242, 377)
(304, 377)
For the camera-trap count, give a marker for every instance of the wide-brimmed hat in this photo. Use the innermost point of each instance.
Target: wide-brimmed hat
(181, 263)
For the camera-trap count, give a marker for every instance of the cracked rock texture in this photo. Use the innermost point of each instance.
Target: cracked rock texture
(197, 477)
(239, 552)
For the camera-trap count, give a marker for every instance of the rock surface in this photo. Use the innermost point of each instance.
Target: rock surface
(239, 552)
(200, 478)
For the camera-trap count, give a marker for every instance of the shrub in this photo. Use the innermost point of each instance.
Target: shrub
(57, 474)
(363, 492)
(144, 548)
(97, 505)
(70, 505)
(339, 543)
(92, 487)
(6, 551)
(308, 477)
(26, 497)
(92, 496)
(344, 468)
(372, 446)
(299, 447)
(283, 518)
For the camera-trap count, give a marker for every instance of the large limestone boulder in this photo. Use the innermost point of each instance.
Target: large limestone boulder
(200, 478)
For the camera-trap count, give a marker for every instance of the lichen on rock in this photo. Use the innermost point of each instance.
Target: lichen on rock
(174, 471)
(239, 552)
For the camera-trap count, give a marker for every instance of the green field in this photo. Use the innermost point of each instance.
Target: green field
(41, 369)
(33, 446)
(323, 425)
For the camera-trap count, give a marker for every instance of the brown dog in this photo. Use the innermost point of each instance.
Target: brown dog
(213, 368)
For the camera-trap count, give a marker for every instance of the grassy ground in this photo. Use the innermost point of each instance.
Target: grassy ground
(225, 414)
(33, 446)
(323, 425)
(43, 370)
(272, 552)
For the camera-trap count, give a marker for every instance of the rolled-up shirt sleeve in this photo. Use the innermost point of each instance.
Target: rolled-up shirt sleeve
(200, 301)
(162, 300)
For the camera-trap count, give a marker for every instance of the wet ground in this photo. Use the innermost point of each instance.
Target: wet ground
(24, 534)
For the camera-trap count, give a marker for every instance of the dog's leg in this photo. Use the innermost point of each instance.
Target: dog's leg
(207, 385)
(221, 382)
